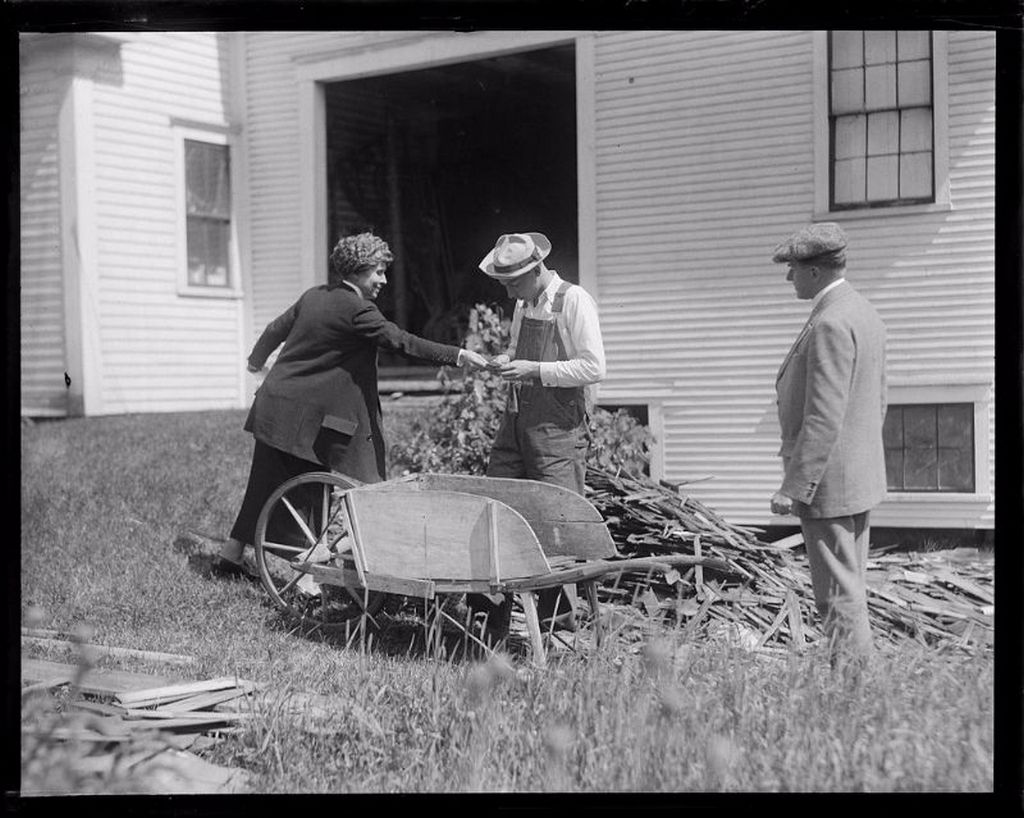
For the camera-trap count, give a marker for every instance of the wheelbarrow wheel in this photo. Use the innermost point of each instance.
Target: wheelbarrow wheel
(304, 520)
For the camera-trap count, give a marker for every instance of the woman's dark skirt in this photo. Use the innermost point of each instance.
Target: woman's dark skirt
(270, 468)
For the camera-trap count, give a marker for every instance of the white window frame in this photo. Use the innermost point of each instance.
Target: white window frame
(215, 135)
(980, 396)
(655, 425)
(940, 144)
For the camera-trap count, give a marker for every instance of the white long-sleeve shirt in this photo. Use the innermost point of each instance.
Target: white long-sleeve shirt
(580, 331)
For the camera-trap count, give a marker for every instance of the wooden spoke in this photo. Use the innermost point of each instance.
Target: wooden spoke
(302, 499)
(300, 521)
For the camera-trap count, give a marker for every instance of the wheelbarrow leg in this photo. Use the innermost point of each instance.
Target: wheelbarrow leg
(529, 603)
(595, 611)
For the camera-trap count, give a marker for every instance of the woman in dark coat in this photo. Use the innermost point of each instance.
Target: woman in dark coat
(318, 406)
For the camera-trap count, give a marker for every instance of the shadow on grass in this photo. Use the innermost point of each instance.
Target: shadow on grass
(403, 629)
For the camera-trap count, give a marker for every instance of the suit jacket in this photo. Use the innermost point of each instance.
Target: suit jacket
(319, 401)
(831, 401)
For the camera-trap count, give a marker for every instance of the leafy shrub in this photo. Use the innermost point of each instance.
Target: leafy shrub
(457, 437)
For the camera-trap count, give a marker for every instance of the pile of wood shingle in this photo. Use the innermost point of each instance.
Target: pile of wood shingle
(132, 730)
(767, 594)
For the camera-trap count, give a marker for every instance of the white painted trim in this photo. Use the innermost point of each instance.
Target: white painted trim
(79, 252)
(656, 425)
(436, 48)
(980, 395)
(940, 116)
(313, 182)
(216, 134)
(819, 78)
(586, 166)
(242, 206)
(940, 136)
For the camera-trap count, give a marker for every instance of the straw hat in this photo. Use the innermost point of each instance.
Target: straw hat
(515, 254)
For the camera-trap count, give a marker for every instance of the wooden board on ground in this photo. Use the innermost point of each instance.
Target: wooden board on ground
(109, 650)
(564, 522)
(96, 681)
(178, 690)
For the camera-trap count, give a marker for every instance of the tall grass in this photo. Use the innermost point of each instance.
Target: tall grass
(104, 499)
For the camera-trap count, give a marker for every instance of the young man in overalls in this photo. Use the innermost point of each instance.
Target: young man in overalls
(554, 361)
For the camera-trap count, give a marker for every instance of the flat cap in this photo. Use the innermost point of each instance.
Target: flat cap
(811, 242)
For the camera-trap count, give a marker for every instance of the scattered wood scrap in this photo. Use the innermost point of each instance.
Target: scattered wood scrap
(140, 701)
(134, 739)
(91, 681)
(768, 589)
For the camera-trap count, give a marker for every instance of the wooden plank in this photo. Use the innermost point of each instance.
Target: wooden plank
(796, 622)
(597, 568)
(966, 585)
(346, 577)
(204, 700)
(177, 691)
(493, 539)
(99, 708)
(193, 716)
(109, 650)
(358, 543)
(529, 603)
(566, 524)
(531, 498)
(145, 725)
(776, 623)
(427, 534)
(96, 681)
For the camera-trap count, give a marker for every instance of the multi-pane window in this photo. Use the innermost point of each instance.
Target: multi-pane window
(880, 118)
(207, 213)
(930, 447)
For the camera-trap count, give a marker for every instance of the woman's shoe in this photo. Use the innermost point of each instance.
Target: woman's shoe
(221, 567)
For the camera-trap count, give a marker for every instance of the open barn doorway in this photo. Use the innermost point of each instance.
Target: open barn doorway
(440, 161)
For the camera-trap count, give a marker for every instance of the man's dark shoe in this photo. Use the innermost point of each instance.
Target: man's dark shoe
(489, 621)
(562, 622)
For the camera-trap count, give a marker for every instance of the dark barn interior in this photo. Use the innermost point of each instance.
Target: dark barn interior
(440, 161)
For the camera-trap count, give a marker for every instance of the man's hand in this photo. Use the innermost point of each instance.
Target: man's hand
(781, 504)
(254, 369)
(469, 358)
(519, 370)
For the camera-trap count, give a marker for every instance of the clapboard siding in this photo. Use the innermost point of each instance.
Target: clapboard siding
(704, 160)
(161, 351)
(42, 297)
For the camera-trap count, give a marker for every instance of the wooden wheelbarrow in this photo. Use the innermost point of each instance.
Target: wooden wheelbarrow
(430, 534)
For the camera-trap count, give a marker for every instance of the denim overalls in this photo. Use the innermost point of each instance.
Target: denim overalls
(543, 434)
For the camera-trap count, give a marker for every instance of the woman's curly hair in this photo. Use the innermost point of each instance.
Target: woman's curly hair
(353, 254)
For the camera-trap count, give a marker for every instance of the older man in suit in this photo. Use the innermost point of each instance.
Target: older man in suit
(831, 400)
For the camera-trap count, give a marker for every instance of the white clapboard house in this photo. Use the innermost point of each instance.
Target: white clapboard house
(179, 189)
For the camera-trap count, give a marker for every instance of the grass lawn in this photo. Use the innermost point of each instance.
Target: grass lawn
(104, 499)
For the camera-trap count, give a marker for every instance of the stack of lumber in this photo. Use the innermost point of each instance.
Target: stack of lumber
(131, 730)
(768, 588)
(178, 707)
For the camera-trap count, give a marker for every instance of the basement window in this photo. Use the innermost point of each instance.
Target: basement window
(930, 447)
